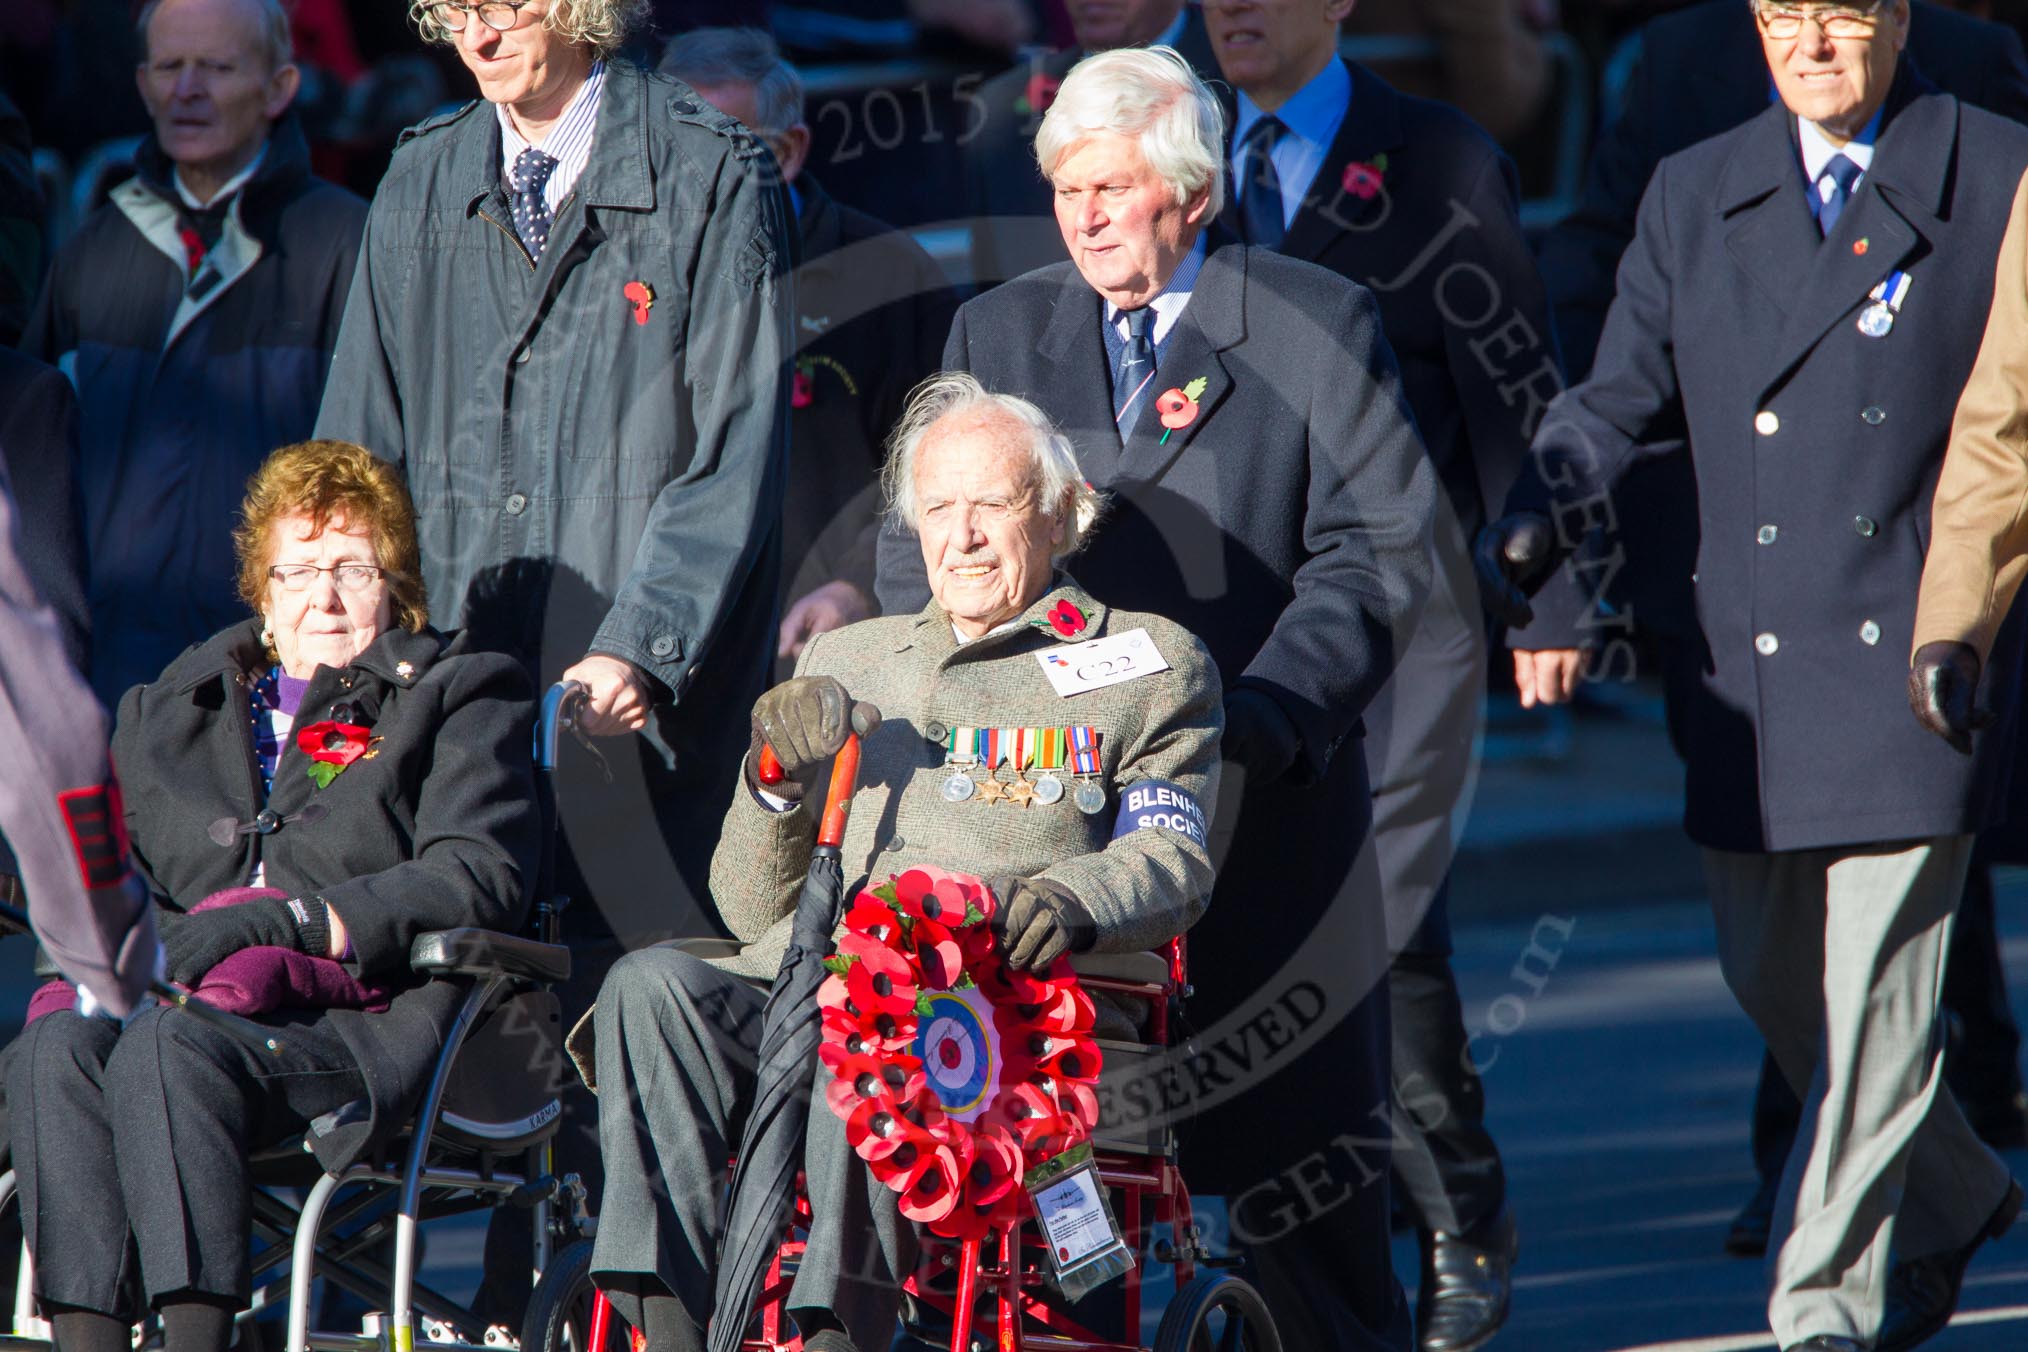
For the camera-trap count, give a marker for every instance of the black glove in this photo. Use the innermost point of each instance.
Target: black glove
(805, 720)
(1038, 921)
(1509, 555)
(1942, 679)
(195, 943)
(1259, 735)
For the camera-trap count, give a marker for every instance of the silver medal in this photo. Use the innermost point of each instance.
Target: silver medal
(1048, 789)
(1876, 320)
(958, 787)
(1090, 798)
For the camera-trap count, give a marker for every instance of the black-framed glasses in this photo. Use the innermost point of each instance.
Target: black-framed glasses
(1837, 21)
(498, 15)
(351, 577)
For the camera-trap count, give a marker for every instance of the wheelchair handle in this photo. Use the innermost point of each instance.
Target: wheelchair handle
(562, 706)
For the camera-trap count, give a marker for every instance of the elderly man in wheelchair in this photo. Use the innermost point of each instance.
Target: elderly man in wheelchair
(986, 759)
(306, 793)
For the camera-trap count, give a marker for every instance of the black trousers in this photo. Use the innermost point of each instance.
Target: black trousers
(131, 1145)
(1444, 1158)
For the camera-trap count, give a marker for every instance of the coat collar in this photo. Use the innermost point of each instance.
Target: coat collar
(1212, 324)
(396, 657)
(285, 163)
(1814, 282)
(617, 174)
(1372, 126)
(931, 630)
(818, 222)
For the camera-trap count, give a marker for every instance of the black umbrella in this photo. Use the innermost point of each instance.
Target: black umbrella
(771, 1144)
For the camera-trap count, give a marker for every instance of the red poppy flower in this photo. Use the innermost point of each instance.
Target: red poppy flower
(1041, 92)
(873, 1034)
(928, 1186)
(1362, 180)
(1178, 409)
(896, 1079)
(1066, 618)
(937, 953)
(882, 982)
(642, 297)
(934, 895)
(875, 919)
(330, 743)
(802, 391)
(881, 1134)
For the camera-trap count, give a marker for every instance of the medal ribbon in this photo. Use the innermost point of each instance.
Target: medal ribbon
(961, 746)
(1893, 291)
(1084, 743)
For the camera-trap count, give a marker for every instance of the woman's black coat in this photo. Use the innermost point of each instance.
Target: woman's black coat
(436, 828)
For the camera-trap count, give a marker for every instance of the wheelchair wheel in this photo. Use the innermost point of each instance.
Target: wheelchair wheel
(1217, 1313)
(560, 1311)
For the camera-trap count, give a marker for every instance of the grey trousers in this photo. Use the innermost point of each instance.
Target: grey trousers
(1838, 957)
(676, 1042)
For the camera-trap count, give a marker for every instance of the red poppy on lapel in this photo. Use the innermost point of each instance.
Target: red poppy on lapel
(1066, 619)
(1363, 177)
(642, 297)
(1179, 407)
(1041, 92)
(331, 746)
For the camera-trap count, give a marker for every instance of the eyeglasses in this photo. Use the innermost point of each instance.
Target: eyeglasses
(351, 577)
(1836, 21)
(498, 15)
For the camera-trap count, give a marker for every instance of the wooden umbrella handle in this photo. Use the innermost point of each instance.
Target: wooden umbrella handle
(838, 802)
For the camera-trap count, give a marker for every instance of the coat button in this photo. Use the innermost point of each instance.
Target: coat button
(1865, 526)
(1766, 644)
(1766, 423)
(521, 356)
(935, 731)
(1873, 415)
(1767, 535)
(266, 821)
(517, 503)
(662, 646)
(896, 845)
(1869, 633)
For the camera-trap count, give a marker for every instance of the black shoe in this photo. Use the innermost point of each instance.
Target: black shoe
(1922, 1293)
(1824, 1342)
(1466, 1285)
(2001, 1122)
(1748, 1236)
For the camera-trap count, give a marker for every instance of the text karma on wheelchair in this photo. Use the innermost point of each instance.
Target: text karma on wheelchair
(305, 793)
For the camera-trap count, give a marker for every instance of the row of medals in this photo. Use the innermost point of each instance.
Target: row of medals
(1046, 788)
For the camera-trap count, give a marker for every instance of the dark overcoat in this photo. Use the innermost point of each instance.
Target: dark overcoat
(1285, 526)
(437, 829)
(596, 443)
(1012, 218)
(1816, 450)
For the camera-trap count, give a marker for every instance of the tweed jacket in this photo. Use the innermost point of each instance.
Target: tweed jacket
(1142, 887)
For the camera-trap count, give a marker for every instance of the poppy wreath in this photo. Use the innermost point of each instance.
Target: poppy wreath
(953, 1073)
(331, 746)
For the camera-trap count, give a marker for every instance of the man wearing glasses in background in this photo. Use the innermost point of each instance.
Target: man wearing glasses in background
(570, 327)
(1800, 305)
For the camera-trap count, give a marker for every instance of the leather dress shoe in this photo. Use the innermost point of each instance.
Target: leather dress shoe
(1824, 1342)
(1922, 1293)
(1466, 1285)
(1749, 1233)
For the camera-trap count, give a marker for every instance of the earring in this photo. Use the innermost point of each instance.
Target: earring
(267, 633)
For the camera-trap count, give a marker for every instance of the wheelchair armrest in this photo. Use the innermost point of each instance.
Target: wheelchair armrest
(1140, 969)
(708, 948)
(482, 952)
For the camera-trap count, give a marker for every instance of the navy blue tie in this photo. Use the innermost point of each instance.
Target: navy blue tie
(1260, 192)
(532, 169)
(1136, 368)
(1834, 190)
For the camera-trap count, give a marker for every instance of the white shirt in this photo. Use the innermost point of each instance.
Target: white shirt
(569, 142)
(1170, 302)
(1312, 116)
(231, 185)
(1818, 150)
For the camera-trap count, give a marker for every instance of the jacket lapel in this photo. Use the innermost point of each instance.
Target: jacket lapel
(1213, 322)
(1372, 127)
(1075, 377)
(1879, 231)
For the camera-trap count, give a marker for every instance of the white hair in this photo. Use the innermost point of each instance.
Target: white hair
(273, 41)
(1058, 482)
(603, 26)
(1152, 95)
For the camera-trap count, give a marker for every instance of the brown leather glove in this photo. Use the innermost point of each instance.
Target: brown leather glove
(804, 720)
(1039, 920)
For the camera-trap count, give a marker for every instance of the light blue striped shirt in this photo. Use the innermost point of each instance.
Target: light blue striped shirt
(569, 142)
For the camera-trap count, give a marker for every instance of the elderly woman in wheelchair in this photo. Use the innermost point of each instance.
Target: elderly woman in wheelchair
(305, 793)
(995, 495)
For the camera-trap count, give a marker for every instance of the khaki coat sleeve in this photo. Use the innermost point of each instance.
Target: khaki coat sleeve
(1978, 548)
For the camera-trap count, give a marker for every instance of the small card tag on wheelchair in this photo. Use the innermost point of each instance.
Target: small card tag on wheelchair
(1085, 1247)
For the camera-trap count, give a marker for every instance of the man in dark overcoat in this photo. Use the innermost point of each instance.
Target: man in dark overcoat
(1669, 104)
(1411, 200)
(570, 327)
(1793, 306)
(1006, 196)
(1271, 496)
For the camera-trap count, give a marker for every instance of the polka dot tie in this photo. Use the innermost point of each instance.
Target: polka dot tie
(532, 169)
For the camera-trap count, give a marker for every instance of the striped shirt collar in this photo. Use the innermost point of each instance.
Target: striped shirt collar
(569, 141)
